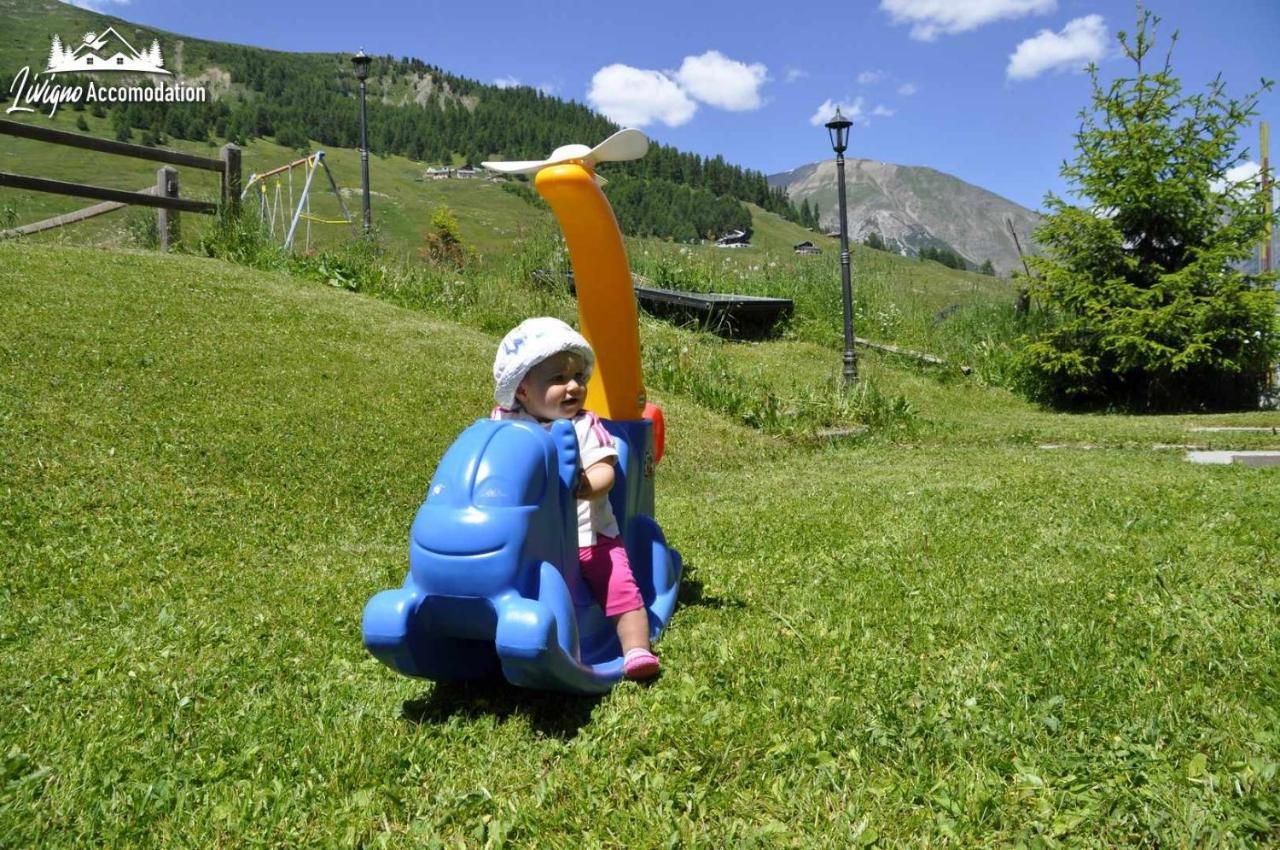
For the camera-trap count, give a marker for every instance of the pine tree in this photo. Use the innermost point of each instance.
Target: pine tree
(153, 55)
(1153, 309)
(55, 52)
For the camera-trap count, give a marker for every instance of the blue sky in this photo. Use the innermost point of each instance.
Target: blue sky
(987, 90)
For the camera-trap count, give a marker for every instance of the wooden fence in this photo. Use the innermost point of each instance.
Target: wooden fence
(163, 195)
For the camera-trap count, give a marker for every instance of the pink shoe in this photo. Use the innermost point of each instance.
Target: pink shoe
(639, 664)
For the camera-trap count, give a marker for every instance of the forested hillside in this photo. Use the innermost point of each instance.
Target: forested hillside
(416, 110)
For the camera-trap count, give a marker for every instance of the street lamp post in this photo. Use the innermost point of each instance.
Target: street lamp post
(361, 61)
(838, 128)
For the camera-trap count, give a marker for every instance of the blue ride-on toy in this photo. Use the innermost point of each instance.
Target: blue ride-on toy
(493, 579)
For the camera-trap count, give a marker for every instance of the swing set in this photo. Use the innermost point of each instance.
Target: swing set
(274, 192)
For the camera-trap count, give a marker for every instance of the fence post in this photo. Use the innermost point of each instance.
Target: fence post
(231, 178)
(167, 220)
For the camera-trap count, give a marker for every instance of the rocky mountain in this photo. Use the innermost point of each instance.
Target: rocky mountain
(913, 207)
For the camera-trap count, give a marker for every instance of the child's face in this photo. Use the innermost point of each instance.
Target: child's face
(556, 388)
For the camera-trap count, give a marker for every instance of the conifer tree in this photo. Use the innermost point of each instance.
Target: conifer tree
(1154, 310)
(55, 52)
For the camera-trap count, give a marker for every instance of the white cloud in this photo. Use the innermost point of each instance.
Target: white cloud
(793, 74)
(507, 82)
(717, 80)
(635, 97)
(1244, 171)
(883, 111)
(638, 96)
(931, 18)
(852, 109)
(1081, 41)
(908, 89)
(867, 78)
(548, 88)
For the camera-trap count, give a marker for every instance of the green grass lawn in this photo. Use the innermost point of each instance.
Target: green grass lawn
(945, 637)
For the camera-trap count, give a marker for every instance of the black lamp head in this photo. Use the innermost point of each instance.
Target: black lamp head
(838, 129)
(361, 60)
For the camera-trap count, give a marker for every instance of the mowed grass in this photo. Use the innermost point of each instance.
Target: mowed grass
(953, 638)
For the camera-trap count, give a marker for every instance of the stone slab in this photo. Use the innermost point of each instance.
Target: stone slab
(1238, 429)
(1242, 458)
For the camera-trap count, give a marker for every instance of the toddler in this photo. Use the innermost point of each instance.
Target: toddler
(541, 373)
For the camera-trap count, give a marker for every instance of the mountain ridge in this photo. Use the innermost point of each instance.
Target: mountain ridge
(912, 207)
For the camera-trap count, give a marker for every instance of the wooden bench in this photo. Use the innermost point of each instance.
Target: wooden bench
(729, 315)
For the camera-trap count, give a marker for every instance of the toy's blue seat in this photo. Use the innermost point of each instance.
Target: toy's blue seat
(493, 563)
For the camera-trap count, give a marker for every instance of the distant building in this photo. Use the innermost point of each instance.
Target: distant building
(734, 239)
(806, 247)
(444, 172)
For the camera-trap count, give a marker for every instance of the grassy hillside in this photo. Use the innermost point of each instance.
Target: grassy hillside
(30, 24)
(957, 638)
(402, 204)
(899, 299)
(415, 109)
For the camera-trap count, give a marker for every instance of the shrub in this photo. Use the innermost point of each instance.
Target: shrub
(1153, 311)
(143, 228)
(358, 266)
(442, 242)
(241, 239)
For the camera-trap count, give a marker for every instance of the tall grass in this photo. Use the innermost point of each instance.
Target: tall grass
(495, 296)
(695, 366)
(966, 319)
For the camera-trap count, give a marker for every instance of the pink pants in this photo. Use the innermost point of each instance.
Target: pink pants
(608, 574)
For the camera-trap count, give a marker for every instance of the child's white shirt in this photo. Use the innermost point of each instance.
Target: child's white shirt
(595, 516)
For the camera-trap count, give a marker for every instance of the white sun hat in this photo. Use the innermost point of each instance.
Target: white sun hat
(528, 344)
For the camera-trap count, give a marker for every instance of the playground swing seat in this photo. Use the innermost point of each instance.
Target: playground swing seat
(272, 209)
